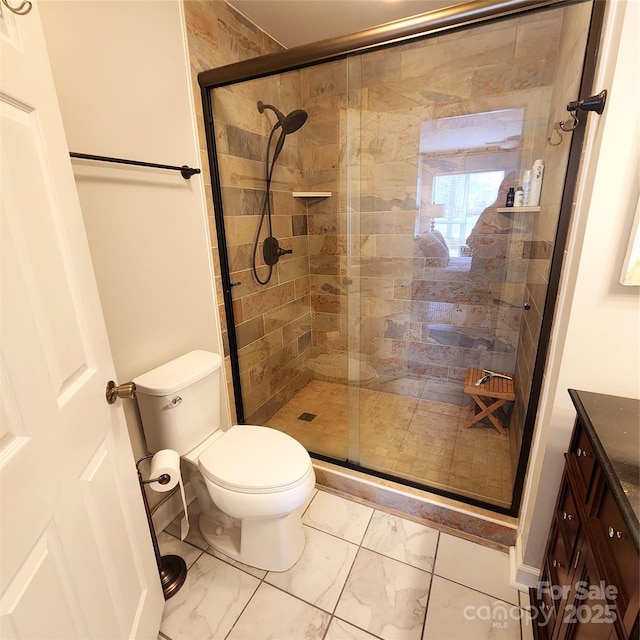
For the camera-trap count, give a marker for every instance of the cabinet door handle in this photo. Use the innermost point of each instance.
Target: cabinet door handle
(581, 453)
(614, 533)
(566, 516)
(575, 564)
(557, 564)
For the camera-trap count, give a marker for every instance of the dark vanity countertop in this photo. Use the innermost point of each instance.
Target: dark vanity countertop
(613, 426)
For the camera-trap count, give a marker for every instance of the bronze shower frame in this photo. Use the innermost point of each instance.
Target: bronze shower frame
(383, 36)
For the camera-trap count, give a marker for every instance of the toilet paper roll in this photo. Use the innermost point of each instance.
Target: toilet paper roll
(167, 462)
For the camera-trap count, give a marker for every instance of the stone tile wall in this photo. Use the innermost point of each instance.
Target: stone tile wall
(273, 325)
(363, 278)
(413, 319)
(573, 35)
(273, 322)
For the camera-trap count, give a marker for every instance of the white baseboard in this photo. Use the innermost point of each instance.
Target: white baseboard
(521, 576)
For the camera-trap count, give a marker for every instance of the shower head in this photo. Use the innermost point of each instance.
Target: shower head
(262, 106)
(289, 123)
(294, 120)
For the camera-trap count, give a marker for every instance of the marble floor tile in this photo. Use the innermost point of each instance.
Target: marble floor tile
(319, 575)
(402, 540)
(525, 624)
(170, 545)
(475, 566)
(257, 573)
(525, 620)
(209, 603)
(272, 614)
(459, 613)
(377, 588)
(385, 597)
(342, 518)
(341, 630)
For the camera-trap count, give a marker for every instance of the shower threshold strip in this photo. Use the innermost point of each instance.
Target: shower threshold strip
(185, 170)
(450, 494)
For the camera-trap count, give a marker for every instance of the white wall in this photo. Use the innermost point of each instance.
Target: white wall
(595, 343)
(122, 76)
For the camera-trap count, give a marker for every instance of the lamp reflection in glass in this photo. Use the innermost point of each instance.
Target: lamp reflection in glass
(430, 243)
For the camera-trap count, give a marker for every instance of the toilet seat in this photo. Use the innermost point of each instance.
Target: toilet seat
(253, 459)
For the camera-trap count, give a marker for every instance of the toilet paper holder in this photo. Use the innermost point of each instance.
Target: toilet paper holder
(172, 568)
(165, 478)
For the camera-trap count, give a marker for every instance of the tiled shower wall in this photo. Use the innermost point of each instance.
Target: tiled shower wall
(415, 320)
(360, 276)
(273, 321)
(573, 36)
(325, 96)
(273, 327)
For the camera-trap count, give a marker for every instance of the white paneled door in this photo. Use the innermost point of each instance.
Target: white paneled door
(75, 550)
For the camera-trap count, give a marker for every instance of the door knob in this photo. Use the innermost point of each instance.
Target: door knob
(115, 391)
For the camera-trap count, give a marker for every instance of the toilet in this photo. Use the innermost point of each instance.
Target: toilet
(251, 482)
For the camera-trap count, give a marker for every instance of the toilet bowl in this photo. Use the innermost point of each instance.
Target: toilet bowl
(251, 482)
(258, 479)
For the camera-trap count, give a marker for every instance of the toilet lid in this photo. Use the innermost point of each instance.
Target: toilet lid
(255, 459)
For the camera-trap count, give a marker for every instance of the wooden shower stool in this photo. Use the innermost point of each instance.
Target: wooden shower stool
(499, 389)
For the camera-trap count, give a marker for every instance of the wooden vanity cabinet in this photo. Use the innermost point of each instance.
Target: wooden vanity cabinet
(589, 584)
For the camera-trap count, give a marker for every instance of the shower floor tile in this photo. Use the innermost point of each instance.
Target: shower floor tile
(420, 440)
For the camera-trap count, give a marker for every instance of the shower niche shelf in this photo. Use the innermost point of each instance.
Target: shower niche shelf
(523, 209)
(312, 194)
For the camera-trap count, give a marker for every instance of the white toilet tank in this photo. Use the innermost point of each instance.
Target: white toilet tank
(179, 401)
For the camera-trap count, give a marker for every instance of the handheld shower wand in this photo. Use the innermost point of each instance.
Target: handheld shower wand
(289, 124)
(271, 249)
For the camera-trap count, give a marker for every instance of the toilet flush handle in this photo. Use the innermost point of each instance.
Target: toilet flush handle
(174, 402)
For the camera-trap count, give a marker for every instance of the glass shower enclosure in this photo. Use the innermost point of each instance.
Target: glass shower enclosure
(369, 259)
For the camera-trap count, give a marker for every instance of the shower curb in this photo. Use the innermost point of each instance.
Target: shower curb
(465, 521)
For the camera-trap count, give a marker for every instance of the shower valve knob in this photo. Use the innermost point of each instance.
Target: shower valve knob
(271, 250)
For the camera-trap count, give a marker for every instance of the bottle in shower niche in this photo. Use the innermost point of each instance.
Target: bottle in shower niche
(526, 187)
(510, 197)
(536, 183)
(518, 199)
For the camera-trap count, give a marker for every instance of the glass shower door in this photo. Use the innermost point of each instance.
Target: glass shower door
(290, 317)
(407, 273)
(446, 127)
